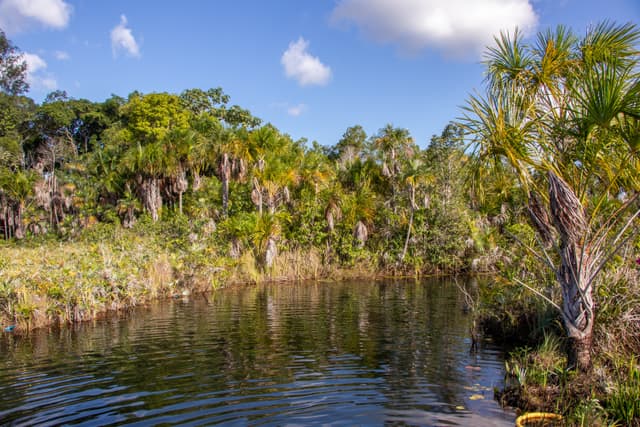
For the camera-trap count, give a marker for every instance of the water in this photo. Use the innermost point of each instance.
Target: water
(367, 353)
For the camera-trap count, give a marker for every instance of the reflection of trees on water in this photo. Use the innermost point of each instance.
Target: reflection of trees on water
(412, 334)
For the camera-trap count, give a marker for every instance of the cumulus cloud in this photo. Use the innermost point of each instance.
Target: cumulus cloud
(122, 39)
(304, 67)
(37, 75)
(456, 27)
(296, 110)
(18, 15)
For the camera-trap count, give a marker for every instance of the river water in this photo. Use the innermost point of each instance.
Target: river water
(356, 353)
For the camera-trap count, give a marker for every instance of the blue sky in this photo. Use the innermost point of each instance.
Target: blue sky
(310, 67)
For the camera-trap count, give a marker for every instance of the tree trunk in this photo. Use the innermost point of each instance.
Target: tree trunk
(19, 228)
(412, 201)
(181, 185)
(579, 353)
(406, 240)
(575, 273)
(271, 253)
(577, 304)
(256, 196)
(225, 176)
(361, 234)
(225, 196)
(5, 218)
(197, 181)
(151, 197)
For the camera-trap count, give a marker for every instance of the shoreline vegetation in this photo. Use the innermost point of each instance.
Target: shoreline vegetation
(107, 205)
(50, 282)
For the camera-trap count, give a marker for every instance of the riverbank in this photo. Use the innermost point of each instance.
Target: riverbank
(50, 281)
(108, 268)
(537, 378)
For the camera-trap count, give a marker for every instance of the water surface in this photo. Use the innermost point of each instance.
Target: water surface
(360, 353)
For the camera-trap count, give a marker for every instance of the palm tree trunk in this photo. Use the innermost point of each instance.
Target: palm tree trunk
(575, 271)
(577, 305)
(151, 197)
(406, 240)
(225, 175)
(5, 217)
(256, 195)
(225, 195)
(19, 230)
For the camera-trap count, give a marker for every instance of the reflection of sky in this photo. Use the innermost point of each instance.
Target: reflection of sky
(352, 353)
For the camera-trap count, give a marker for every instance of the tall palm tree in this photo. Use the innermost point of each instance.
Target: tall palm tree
(147, 164)
(15, 188)
(181, 147)
(563, 113)
(233, 158)
(414, 177)
(395, 146)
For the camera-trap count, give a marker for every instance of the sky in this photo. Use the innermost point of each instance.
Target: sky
(312, 68)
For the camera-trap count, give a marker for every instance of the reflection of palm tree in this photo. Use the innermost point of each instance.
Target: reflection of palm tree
(562, 115)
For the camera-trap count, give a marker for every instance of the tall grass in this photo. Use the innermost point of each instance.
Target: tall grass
(623, 403)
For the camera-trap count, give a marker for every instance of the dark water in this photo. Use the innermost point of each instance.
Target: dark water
(383, 353)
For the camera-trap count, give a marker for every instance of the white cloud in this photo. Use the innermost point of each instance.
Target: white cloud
(122, 39)
(61, 55)
(456, 27)
(296, 110)
(37, 75)
(34, 62)
(302, 66)
(17, 15)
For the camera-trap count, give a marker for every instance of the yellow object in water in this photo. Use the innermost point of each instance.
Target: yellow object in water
(524, 420)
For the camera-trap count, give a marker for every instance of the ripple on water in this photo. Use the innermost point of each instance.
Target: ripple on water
(331, 354)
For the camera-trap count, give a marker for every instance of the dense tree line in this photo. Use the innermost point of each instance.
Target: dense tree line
(69, 163)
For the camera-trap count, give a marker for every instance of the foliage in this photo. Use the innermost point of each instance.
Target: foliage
(560, 115)
(104, 205)
(13, 68)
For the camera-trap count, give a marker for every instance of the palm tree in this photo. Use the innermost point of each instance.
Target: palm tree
(276, 168)
(265, 235)
(233, 157)
(15, 188)
(395, 145)
(181, 148)
(414, 176)
(146, 164)
(563, 114)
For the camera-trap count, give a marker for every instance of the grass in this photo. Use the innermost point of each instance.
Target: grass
(609, 395)
(623, 403)
(47, 281)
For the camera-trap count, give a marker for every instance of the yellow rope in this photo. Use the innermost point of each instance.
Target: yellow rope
(536, 416)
